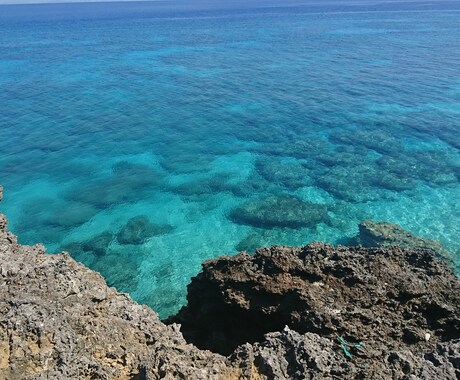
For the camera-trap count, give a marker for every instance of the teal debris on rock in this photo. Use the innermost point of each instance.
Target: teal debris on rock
(346, 345)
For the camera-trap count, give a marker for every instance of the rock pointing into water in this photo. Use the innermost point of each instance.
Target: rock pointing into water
(384, 234)
(313, 312)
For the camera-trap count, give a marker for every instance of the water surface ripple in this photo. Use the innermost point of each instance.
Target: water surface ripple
(145, 138)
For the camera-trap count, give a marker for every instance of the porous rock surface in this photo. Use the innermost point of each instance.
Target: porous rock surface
(59, 320)
(402, 304)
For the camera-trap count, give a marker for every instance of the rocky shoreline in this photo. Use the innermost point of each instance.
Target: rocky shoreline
(402, 305)
(313, 312)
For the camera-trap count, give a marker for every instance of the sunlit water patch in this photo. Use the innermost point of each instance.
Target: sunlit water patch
(145, 139)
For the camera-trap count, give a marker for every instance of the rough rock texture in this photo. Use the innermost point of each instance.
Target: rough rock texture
(59, 320)
(399, 303)
(290, 355)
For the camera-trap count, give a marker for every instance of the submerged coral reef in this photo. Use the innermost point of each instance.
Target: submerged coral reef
(279, 211)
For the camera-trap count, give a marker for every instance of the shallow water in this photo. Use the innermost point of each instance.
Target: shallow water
(186, 114)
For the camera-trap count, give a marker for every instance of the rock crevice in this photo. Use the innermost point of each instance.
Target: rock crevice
(397, 295)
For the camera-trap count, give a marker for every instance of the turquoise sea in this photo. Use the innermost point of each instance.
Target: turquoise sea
(221, 126)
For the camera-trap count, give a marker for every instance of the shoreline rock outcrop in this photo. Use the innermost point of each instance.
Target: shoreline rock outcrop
(400, 303)
(59, 320)
(279, 314)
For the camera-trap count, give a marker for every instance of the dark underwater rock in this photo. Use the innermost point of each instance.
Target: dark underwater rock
(139, 229)
(423, 124)
(336, 158)
(250, 128)
(375, 139)
(383, 234)
(187, 162)
(306, 148)
(121, 273)
(137, 175)
(431, 167)
(352, 184)
(104, 193)
(437, 167)
(400, 164)
(393, 182)
(251, 242)
(259, 238)
(99, 244)
(129, 182)
(290, 175)
(75, 249)
(73, 214)
(206, 186)
(400, 303)
(279, 211)
(252, 185)
(348, 178)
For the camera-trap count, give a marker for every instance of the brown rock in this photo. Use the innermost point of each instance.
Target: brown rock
(386, 298)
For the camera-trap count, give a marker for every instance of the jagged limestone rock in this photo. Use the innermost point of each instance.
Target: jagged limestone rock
(387, 298)
(59, 320)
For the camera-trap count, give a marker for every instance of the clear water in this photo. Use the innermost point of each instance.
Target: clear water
(183, 112)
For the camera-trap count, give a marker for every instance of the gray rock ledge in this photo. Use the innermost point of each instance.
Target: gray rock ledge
(59, 320)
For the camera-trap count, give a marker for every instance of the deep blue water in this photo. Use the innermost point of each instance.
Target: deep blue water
(183, 112)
